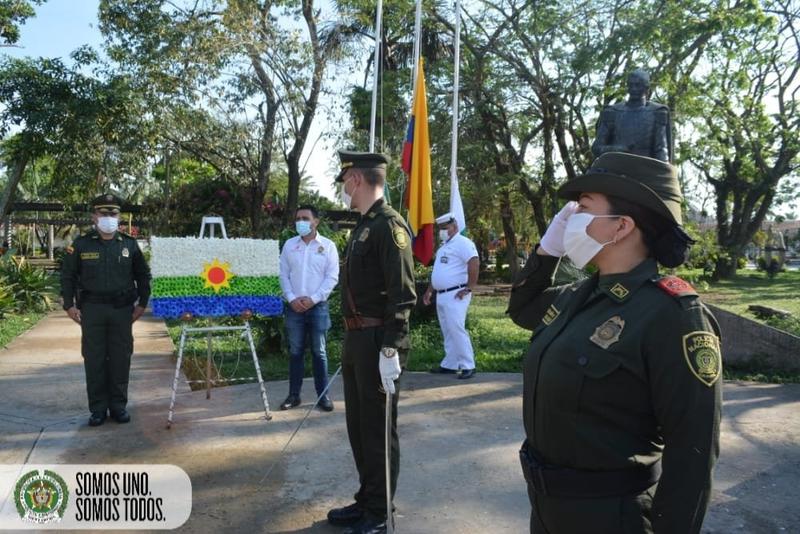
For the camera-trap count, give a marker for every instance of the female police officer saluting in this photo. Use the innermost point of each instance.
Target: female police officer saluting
(622, 396)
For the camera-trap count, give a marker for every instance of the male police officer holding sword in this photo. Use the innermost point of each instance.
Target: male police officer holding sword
(377, 285)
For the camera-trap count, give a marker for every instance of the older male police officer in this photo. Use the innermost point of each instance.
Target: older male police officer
(377, 286)
(454, 276)
(103, 275)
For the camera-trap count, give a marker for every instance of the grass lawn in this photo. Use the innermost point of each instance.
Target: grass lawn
(752, 287)
(499, 344)
(14, 324)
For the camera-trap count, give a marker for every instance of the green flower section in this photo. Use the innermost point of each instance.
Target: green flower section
(192, 286)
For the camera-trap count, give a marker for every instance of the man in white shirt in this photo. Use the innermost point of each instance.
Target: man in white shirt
(454, 276)
(309, 270)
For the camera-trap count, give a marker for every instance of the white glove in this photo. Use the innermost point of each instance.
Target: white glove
(390, 368)
(553, 239)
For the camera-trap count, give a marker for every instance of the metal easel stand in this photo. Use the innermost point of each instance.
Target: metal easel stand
(209, 330)
(208, 223)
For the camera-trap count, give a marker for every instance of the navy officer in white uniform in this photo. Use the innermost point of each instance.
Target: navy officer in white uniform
(455, 274)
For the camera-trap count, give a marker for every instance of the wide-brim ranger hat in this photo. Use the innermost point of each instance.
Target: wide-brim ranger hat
(107, 203)
(648, 182)
(361, 160)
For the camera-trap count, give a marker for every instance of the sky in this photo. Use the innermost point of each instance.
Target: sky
(61, 26)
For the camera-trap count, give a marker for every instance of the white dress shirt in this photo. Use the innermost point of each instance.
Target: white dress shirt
(309, 269)
(450, 267)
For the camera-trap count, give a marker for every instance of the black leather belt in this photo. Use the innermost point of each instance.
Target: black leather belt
(451, 288)
(555, 481)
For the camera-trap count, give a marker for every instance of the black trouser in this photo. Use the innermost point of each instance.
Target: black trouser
(627, 514)
(106, 345)
(365, 410)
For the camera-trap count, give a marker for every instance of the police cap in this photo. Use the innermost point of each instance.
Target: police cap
(107, 203)
(361, 160)
(648, 182)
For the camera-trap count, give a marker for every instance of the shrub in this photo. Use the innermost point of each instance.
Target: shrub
(31, 285)
(6, 296)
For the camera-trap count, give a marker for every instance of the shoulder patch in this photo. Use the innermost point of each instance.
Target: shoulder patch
(701, 350)
(676, 287)
(400, 237)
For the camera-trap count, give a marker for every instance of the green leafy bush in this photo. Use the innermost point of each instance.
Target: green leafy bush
(31, 286)
(6, 296)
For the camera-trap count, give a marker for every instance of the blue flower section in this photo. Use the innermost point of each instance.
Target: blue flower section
(172, 307)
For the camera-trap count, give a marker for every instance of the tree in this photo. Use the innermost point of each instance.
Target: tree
(13, 14)
(749, 135)
(84, 123)
(243, 62)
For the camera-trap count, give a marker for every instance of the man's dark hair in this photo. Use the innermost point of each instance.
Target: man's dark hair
(308, 207)
(374, 177)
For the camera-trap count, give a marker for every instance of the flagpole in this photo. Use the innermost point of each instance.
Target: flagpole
(456, 69)
(456, 206)
(417, 36)
(376, 68)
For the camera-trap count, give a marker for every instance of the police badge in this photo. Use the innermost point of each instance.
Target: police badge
(125, 252)
(608, 333)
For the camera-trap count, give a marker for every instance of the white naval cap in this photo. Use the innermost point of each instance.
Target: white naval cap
(446, 218)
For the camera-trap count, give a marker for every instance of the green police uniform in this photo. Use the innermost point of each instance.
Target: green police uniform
(104, 278)
(621, 399)
(377, 287)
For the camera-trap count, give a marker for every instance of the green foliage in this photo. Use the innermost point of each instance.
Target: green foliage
(13, 14)
(14, 324)
(7, 304)
(31, 286)
(787, 324)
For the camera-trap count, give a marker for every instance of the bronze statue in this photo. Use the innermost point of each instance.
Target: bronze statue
(636, 126)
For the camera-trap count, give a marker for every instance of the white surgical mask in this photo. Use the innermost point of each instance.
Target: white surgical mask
(107, 225)
(303, 227)
(347, 199)
(580, 246)
(443, 235)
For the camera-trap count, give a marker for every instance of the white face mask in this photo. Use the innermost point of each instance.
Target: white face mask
(303, 227)
(580, 246)
(347, 199)
(107, 225)
(443, 235)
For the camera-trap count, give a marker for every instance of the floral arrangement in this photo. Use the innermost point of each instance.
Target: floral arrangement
(214, 277)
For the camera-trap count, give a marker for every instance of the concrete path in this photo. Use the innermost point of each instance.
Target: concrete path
(459, 469)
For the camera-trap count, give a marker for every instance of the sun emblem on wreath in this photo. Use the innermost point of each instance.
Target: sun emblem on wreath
(217, 275)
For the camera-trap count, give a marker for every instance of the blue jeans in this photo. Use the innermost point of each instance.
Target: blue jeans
(313, 324)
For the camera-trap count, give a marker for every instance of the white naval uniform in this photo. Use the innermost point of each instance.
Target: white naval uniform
(450, 270)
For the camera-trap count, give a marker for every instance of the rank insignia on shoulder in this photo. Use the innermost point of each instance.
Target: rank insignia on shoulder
(608, 333)
(550, 315)
(701, 350)
(400, 237)
(674, 286)
(363, 235)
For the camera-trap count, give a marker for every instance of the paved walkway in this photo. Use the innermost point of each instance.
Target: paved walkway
(459, 469)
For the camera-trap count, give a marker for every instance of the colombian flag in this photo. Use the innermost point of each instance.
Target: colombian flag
(417, 165)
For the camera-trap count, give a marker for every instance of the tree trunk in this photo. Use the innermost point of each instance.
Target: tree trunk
(508, 230)
(725, 267)
(20, 163)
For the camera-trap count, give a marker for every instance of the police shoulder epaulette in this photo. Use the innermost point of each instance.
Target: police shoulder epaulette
(674, 286)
